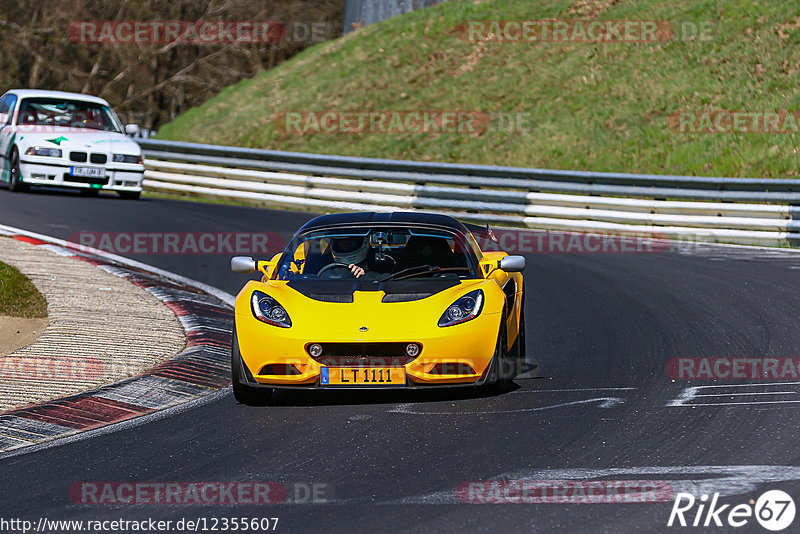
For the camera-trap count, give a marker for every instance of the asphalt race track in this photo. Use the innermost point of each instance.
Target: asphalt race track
(601, 326)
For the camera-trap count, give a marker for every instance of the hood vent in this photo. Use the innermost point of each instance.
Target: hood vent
(346, 298)
(405, 297)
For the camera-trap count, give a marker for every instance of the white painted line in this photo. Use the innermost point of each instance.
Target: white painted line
(728, 481)
(759, 384)
(748, 394)
(687, 395)
(605, 402)
(754, 403)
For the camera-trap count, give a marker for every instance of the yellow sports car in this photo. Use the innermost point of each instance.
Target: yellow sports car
(379, 300)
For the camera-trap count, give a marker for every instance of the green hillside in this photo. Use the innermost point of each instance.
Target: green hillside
(594, 106)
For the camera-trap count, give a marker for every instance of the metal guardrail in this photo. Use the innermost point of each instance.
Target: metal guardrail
(740, 210)
(365, 12)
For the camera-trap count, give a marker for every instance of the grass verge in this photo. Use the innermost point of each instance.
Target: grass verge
(602, 107)
(18, 296)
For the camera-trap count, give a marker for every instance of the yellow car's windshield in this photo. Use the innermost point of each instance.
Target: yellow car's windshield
(383, 253)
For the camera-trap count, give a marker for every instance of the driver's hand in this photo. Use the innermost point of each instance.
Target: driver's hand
(357, 271)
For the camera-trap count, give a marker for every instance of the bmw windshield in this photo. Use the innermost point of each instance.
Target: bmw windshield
(65, 113)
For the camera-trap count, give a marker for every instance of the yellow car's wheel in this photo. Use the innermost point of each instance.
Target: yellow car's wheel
(501, 373)
(518, 350)
(243, 393)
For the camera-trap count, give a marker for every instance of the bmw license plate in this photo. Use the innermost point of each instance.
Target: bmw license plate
(88, 172)
(363, 376)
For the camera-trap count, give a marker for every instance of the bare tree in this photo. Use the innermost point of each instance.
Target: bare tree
(149, 80)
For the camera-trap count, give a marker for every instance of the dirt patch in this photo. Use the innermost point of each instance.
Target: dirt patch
(591, 8)
(18, 332)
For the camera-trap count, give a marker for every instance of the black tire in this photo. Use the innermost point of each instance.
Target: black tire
(90, 192)
(16, 185)
(500, 378)
(130, 195)
(242, 393)
(518, 351)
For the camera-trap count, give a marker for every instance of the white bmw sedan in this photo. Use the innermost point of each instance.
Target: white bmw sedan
(52, 138)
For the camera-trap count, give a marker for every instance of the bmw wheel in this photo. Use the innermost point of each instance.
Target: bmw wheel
(16, 184)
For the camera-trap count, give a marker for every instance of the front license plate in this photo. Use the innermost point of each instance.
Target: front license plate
(88, 172)
(363, 376)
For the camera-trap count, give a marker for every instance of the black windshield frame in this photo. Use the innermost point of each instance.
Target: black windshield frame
(471, 269)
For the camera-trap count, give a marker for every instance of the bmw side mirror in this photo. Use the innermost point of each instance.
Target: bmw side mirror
(243, 264)
(131, 129)
(512, 264)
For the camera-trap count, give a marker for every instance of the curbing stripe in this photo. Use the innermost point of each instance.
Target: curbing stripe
(83, 412)
(31, 240)
(206, 315)
(29, 428)
(152, 392)
(8, 443)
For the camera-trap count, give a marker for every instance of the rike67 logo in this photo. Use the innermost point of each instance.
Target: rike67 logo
(774, 510)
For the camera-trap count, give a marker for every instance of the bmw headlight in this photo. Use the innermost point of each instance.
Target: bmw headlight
(267, 309)
(43, 151)
(464, 309)
(125, 158)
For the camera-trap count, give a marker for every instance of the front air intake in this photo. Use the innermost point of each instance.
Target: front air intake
(452, 368)
(279, 369)
(364, 354)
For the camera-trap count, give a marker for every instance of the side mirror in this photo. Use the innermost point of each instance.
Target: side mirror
(3, 118)
(512, 264)
(243, 264)
(131, 129)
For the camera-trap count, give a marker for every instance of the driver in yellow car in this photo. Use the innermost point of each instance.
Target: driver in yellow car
(353, 251)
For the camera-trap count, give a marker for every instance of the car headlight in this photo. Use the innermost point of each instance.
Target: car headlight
(464, 309)
(267, 309)
(126, 158)
(43, 151)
